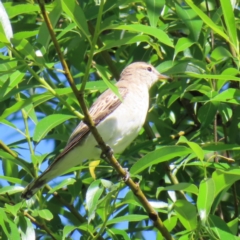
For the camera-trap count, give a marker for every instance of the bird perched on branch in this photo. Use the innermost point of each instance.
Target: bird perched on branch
(118, 121)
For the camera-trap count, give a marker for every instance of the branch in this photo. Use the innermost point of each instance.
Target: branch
(40, 225)
(32, 219)
(88, 120)
(73, 210)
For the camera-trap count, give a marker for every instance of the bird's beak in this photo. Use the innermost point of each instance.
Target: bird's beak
(163, 77)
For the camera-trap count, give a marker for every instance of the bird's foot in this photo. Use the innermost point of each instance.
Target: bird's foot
(127, 176)
(107, 153)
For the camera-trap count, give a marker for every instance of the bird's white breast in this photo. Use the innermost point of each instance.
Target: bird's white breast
(122, 126)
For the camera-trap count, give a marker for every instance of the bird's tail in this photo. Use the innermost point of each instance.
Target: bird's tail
(54, 170)
(34, 186)
(64, 161)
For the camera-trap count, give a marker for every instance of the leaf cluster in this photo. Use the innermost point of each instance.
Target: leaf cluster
(186, 156)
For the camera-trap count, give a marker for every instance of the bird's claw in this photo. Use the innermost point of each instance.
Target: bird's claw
(127, 175)
(107, 153)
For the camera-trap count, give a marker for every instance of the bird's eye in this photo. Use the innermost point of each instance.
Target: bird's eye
(149, 69)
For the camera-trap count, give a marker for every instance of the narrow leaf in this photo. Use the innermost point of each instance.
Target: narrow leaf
(153, 10)
(186, 213)
(207, 20)
(75, 12)
(228, 13)
(47, 124)
(205, 198)
(194, 146)
(128, 218)
(102, 72)
(152, 31)
(159, 155)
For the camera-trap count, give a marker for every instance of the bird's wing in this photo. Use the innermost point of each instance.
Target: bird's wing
(103, 106)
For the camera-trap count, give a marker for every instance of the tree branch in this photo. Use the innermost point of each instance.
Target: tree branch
(105, 149)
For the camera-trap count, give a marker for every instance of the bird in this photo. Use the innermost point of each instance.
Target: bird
(118, 121)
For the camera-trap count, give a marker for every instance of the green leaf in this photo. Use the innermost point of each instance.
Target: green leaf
(194, 67)
(154, 8)
(16, 107)
(189, 17)
(45, 214)
(228, 72)
(11, 190)
(37, 159)
(10, 169)
(8, 226)
(207, 20)
(234, 125)
(205, 198)
(212, 76)
(15, 79)
(13, 180)
(47, 124)
(194, 146)
(67, 230)
(14, 10)
(231, 95)
(220, 228)
(30, 111)
(13, 209)
(3, 220)
(152, 31)
(206, 114)
(93, 195)
(187, 187)
(25, 34)
(186, 213)
(130, 198)
(228, 13)
(118, 234)
(182, 44)
(226, 112)
(102, 72)
(161, 154)
(26, 229)
(224, 179)
(75, 12)
(233, 225)
(124, 41)
(220, 54)
(3, 37)
(170, 223)
(220, 147)
(7, 157)
(65, 182)
(25, 48)
(128, 218)
(204, 89)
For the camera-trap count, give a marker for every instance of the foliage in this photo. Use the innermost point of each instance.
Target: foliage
(186, 157)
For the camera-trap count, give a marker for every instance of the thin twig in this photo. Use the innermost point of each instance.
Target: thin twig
(105, 55)
(173, 179)
(32, 219)
(7, 149)
(42, 226)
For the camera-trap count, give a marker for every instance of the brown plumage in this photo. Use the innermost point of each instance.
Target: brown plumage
(118, 122)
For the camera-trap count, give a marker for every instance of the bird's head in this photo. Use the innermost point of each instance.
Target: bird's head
(141, 71)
